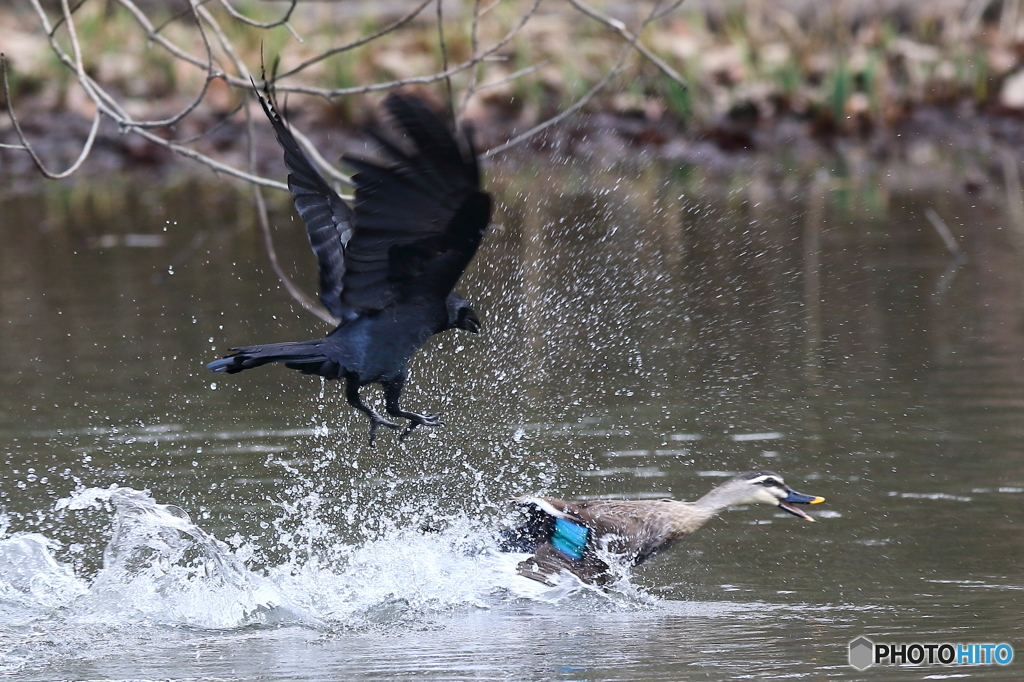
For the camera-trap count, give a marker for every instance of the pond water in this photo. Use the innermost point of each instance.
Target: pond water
(650, 328)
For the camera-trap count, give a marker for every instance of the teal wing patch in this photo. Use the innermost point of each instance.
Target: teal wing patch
(569, 538)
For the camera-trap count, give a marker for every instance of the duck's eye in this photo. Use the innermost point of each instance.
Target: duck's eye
(771, 483)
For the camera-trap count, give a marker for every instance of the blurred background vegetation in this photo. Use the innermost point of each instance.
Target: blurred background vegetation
(756, 72)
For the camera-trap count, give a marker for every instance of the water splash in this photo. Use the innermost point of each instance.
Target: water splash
(160, 568)
(32, 580)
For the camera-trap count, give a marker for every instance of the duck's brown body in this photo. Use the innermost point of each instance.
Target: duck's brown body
(632, 530)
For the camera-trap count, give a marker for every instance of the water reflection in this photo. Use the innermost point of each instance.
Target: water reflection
(648, 328)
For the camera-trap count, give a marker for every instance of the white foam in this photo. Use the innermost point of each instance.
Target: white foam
(159, 568)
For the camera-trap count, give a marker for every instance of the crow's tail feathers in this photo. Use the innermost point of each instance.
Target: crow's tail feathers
(305, 356)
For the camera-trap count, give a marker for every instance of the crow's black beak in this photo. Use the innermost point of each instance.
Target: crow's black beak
(798, 498)
(471, 323)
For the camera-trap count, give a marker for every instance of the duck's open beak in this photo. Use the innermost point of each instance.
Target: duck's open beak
(798, 498)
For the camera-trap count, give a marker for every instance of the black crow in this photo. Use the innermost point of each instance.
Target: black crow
(389, 264)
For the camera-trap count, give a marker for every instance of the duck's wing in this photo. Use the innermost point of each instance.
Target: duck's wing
(560, 539)
(568, 535)
(327, 217)
(558, 522)
(418, 221)
(551, 506)
(622, 526)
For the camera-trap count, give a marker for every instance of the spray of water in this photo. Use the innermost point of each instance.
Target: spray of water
(160, 568)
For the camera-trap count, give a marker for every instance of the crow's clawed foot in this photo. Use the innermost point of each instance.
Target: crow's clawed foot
(376, 421)
(419, 420)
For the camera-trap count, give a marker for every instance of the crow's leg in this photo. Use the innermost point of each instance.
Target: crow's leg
(352, 396)
(392, 394)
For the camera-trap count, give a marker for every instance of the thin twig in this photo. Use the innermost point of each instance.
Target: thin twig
(474, 40)
(147, 26)
(173, 120)
(616, 70)
(224, 120)
(318, 158)
(632, 39)
(655, 16)
(395, 25)
(225, 43)
(283, 21)
(268, 242)
(261, 212)
(945, 233)
(444, 57)
(179, 15)
(90, 140)
(109, 106)
(26, 146)
(514, 75)
(489, 7)
(60, 20)
(211, 163)
(329, 93)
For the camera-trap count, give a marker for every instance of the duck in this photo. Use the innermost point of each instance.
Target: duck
(580, 537)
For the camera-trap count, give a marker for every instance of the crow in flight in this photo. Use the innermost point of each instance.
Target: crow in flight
(387, 265)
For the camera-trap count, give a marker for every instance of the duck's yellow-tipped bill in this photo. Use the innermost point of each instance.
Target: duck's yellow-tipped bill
(799, 498)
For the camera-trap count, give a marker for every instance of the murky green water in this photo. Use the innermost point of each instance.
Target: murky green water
(648, 330)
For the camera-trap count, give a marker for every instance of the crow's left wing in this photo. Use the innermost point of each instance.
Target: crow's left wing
(418, 222)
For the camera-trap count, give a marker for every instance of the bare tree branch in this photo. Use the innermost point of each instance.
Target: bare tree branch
(156, 37)
(615, 71)
(474, 40)
(580, 103)
(28, 147)
(268, 242)
(514, 75)
(283, 21)
(632, 39)
(329, 93)
(444, 57)
(107, 104)
(394, 26)
(202, 93)
(208, 43)
(655, 16)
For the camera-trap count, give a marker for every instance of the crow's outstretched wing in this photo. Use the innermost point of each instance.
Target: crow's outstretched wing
(417, 222)
(328, 218)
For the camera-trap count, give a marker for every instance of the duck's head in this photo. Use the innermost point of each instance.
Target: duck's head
(767, 487)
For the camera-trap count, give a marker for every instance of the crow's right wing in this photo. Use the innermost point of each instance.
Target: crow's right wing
(328, 218)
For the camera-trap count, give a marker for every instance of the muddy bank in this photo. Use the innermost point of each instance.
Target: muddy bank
(863, 82)
(926, 140)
